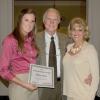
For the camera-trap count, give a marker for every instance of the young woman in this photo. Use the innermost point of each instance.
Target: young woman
(81, 68)
(18, 52)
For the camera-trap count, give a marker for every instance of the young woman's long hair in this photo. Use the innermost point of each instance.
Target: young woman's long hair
(17, 33)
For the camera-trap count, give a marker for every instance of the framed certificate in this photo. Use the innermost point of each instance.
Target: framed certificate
(42, 76)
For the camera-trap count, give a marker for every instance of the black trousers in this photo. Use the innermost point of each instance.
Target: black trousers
(4, 98)
(7, 98)
(97, 98)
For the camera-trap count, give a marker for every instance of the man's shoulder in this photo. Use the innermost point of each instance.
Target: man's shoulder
(40, 38)
(40, 33)
(62, 36)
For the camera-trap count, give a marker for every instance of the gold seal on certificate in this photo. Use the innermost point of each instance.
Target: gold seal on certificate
(42, 76)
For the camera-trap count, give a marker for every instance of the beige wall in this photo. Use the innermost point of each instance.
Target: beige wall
(93, 15)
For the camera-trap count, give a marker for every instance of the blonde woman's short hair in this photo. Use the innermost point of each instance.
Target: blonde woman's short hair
(82, 23)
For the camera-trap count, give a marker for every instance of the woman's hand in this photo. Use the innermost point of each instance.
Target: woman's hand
(30, 86)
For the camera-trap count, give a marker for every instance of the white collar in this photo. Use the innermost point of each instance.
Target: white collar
(49, 36)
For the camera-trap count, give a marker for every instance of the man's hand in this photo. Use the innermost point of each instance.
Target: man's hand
(88, 80)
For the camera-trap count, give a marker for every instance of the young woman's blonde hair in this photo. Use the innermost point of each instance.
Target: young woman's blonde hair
(82, 23)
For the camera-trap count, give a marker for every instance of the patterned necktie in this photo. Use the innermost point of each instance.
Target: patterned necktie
(52, 57)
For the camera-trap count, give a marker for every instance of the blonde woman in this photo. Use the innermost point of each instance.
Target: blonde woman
(81, 67)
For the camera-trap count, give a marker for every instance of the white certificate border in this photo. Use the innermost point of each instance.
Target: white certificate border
(41, 66)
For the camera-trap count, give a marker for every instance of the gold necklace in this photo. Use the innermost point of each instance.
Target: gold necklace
(75, 50)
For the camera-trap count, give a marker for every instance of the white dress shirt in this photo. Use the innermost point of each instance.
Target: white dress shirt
(47, 42)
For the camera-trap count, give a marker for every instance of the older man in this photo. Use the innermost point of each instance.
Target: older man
(51, 20)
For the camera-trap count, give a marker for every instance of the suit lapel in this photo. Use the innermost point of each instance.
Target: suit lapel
(42, 50)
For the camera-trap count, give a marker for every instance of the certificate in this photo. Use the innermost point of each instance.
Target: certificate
(42, 76)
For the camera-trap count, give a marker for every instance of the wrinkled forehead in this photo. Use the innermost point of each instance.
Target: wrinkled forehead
(52, 14)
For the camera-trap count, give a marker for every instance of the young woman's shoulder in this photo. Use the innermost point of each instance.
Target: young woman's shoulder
(9, 39)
